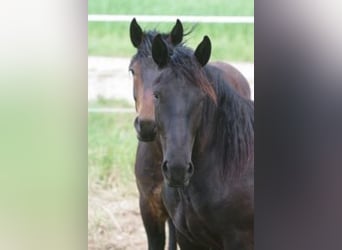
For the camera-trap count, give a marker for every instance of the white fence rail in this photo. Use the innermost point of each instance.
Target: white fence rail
(111, 110)
(168, 19)
(160, 19)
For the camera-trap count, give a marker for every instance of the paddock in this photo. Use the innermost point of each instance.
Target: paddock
(108, 78)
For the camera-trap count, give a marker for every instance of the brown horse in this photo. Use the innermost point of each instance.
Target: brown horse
(149, 154)
(207, 138)
(234, 77)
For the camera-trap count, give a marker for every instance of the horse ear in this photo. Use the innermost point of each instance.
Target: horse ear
(203, 51)
(136, 33)
(176, 34)
(160, 53)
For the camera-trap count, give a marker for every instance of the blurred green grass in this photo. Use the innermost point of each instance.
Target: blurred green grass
(231, 42)
(175, 7)
(102, 102)
(112, 145)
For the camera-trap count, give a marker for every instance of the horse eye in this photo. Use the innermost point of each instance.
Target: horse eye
(156, 95)
(131, 71)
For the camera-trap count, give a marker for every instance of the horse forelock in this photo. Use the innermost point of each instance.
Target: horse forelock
(183, 62)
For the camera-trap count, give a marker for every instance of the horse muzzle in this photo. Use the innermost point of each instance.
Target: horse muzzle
(146, 129)
(177, 175)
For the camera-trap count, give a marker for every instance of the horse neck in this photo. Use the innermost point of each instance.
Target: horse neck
(226, 131)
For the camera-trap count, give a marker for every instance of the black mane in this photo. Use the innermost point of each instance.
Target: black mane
(233, 120)
(182, 62)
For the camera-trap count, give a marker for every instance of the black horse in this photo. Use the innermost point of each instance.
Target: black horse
(207, 138)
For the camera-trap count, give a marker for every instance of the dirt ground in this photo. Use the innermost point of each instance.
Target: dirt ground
(114, 221)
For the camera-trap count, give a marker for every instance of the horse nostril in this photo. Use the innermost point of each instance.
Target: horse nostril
(164, 167)
(191, 168)
(147, 125)
(154, 128)
(137, 124)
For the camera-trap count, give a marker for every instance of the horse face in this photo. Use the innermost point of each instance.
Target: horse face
(178, 106)
(144, 123)
(144, 72)
(178, 110)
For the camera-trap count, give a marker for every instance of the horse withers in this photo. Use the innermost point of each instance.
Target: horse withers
(207, 139)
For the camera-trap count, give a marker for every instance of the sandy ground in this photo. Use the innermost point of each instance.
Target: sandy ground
(114, 221)
(109, 77)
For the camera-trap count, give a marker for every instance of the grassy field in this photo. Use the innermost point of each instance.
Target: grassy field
(111, 145)
(232, 42)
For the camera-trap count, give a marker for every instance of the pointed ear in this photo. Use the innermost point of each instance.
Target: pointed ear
(136, 33)
(203, 51)
(176, 35)
(160, 52)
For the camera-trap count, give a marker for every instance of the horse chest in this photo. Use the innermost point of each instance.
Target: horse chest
(190, 215)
